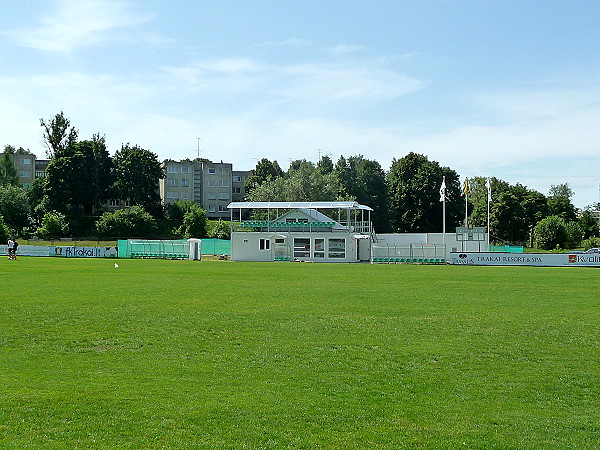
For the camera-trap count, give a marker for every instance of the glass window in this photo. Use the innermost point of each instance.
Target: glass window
(212, 208)
(172, 194)
(185, 170)
(212, 196)
(185, 182)
(337, 248)
(212, 170)
(222, 208)
(172, 182)
(264, 244)
(25, 162)
(211, 183)
(173, 169)
(224, 196)
(319, 248)
(224, 183)
(237, 190)
(237, 179)
(301, 247)
(25, 173)
(224, 170)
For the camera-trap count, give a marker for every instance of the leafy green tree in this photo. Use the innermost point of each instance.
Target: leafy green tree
(104, 174)
(325, 164)
(574, 234)
(221, 230)
(551, 233)
(588, 223)
(58, 134)
(176, 211)
(80, 176)
(8, 170)
(559, 202)
(195, 224)
(478, 196)
(54, 226)
(304, 183)
(137, 173)
(264, 171)
(14, 207)
(365, 181)
(535, 208)
(4, 231)
(508, 218)
(414, 184)
(132, 222)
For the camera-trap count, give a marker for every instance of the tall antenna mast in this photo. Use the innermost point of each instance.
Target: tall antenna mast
(199, 147)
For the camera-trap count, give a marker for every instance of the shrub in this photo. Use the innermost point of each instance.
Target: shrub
(127, 223)
(551, 232)
(194, 223)
(574, 235)
(54, 225)
(591, 243)
(221, 230)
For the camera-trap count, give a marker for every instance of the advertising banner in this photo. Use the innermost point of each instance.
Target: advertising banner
(86, 252)
(526, 259)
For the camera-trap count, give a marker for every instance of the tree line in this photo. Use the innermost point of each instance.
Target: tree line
(82, 177)
(406, 198)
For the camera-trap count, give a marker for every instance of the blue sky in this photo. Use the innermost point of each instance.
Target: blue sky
(488, 88)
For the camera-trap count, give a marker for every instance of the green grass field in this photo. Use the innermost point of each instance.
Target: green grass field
(180, 354)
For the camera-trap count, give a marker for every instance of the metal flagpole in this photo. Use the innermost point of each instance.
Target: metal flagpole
(488, 185)
(443, 200)
(466, 191)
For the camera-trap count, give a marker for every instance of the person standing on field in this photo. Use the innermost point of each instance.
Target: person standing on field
(15, 248)
(10, 247)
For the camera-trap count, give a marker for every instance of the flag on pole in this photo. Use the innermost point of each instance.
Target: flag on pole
(443, 190)
(465, 190)
(488, 185)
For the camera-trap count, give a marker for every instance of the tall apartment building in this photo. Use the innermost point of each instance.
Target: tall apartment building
(210, 184)
(25, 163)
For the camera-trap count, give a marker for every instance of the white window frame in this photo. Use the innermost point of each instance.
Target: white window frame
(264, 244)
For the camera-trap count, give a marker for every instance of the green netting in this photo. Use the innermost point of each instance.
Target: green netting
(506, 248)
(141, 248)
(216, 247)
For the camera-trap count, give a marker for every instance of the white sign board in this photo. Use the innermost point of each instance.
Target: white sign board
(526, 259)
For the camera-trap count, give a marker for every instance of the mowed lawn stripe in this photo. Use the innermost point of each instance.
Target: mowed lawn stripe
(272, 355)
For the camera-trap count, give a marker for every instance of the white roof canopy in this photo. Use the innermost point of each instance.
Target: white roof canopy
(296, 205)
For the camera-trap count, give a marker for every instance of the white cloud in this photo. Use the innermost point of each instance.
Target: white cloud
(326, 82)
(77, 23)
